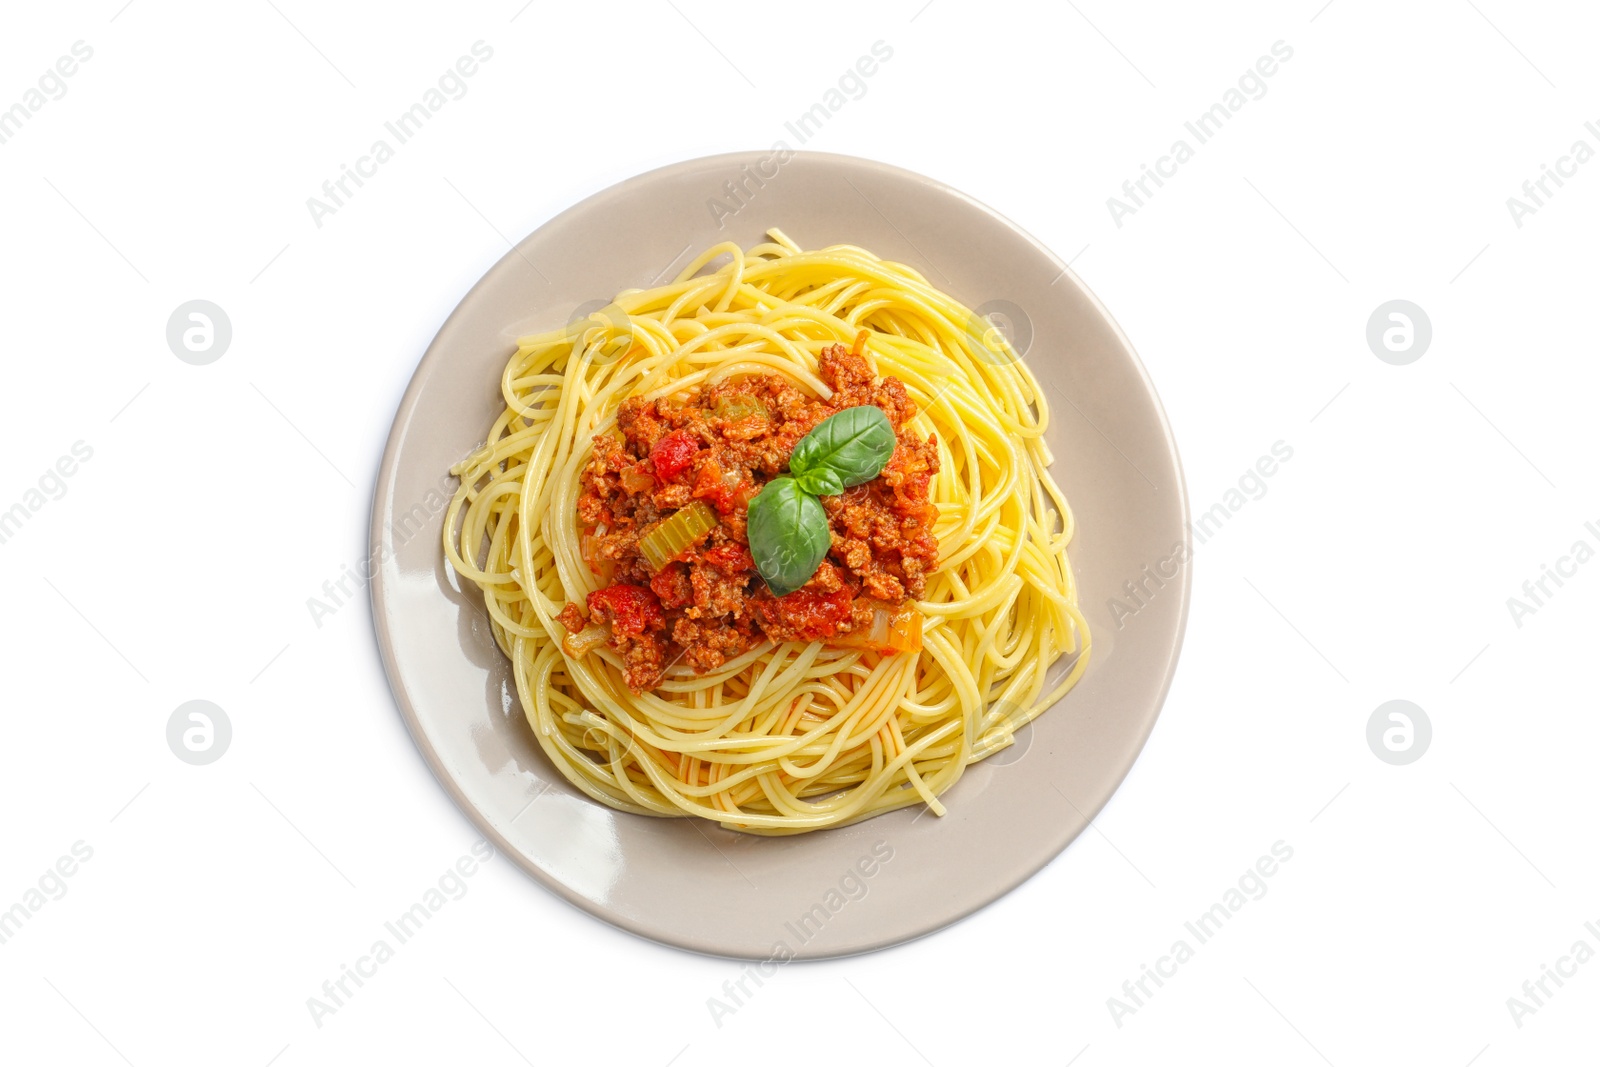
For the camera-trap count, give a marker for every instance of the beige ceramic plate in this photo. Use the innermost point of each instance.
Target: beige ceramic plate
(888, 879)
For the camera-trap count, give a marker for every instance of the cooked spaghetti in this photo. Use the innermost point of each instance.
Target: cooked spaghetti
(668, 655)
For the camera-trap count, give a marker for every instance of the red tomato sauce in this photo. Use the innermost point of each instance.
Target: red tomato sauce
(721, 445)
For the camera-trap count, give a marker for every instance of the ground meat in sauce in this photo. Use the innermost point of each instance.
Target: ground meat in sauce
(721, 446)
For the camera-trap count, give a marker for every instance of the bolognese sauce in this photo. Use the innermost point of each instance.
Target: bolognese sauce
(696, 463)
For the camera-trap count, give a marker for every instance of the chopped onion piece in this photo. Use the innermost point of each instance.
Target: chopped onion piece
(734, 408)
(894, 628)
(635, 479)
(585, 640)
(590, 547)
(879, 635)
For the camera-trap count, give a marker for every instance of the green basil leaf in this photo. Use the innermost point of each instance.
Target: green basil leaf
(824, 481)
(854, 443)
(788, 533)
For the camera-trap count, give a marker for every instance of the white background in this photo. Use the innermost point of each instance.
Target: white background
(1377, 565)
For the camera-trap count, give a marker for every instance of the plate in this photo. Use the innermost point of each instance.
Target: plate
(889, 879)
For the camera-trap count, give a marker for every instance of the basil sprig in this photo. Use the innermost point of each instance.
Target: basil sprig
(788, 530)
(854, 444)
